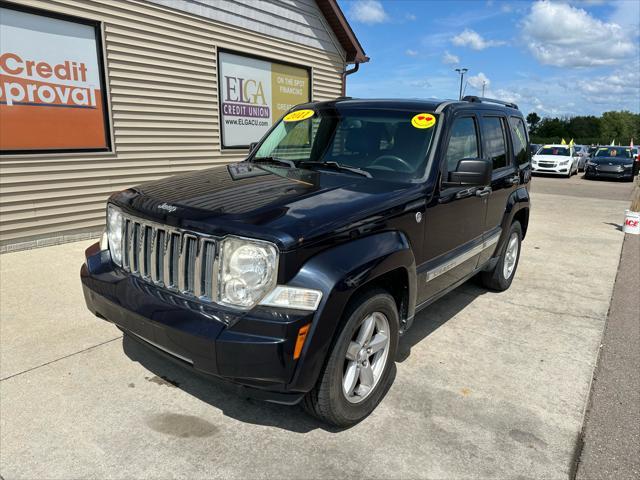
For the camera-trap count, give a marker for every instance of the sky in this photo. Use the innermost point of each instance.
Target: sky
(557, 58)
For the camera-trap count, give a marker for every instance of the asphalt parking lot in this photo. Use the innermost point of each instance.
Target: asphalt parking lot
(488, 385)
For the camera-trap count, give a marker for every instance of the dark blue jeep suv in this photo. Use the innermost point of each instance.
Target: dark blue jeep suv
(293, 273)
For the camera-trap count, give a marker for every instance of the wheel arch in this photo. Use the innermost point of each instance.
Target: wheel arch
(383, 260)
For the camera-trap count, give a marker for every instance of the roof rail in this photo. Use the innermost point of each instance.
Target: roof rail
(473, 98)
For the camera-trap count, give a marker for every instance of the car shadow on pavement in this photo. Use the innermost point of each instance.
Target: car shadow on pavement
(437, 314)
(167, 373)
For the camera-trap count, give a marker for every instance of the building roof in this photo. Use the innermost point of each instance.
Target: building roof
(340, 26)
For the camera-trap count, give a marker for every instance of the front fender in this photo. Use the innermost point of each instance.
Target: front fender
(338, 273)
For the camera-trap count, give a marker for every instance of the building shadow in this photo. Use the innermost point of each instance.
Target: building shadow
(234, 402)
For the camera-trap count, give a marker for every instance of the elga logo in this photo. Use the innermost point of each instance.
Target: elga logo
(244, 98)
(167, 207)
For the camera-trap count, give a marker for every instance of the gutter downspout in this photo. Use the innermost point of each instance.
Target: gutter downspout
(346, 72)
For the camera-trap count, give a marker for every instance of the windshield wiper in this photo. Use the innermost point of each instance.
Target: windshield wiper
(281, 161)
(339, 167)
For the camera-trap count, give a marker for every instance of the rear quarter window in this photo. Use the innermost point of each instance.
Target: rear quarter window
(519, 137)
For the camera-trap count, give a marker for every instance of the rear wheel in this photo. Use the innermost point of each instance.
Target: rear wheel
(501, 276)
(358, 371)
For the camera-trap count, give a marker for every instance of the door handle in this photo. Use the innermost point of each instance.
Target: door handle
(468, 192)
(515, 180)
(483, 192)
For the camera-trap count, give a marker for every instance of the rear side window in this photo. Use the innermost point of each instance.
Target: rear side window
(494, 141)
(463, 142)
(519, 136)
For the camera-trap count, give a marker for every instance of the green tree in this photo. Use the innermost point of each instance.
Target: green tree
(532, 120)
(621, 126)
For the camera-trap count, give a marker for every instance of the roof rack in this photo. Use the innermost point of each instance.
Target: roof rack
(473, 98)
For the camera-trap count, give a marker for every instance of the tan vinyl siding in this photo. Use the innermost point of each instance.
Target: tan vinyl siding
(161, 74)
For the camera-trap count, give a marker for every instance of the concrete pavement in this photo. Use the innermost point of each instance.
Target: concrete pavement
(487, 386)
(611, 433)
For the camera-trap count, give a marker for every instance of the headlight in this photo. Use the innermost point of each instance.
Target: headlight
(628, 165)
(248, 271)
(563, 162)
(114, 233)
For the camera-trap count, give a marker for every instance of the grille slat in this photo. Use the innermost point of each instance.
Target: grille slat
(175, 259)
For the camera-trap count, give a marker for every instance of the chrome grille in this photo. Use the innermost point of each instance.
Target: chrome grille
(169, 257)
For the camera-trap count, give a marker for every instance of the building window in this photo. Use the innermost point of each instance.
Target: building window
(254, 93)
(51, 84)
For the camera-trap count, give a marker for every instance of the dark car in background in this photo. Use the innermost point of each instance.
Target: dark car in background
(534, 147)
(611, 162)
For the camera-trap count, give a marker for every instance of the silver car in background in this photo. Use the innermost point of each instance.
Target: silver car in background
(582, 152)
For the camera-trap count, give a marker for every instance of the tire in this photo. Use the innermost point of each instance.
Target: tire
(497, 279)
(328, 400)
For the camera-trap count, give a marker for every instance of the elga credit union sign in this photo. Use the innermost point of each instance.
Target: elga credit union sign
(50, 88)
(256, 93)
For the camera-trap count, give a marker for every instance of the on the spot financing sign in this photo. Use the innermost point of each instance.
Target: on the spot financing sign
(256, 93)
(50, 96)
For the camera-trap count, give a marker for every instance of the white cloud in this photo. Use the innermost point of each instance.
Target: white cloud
(410, 52)
(411, 17)
(617, 83)
(450, 59)
(476, 81)
(368, 11)
(561, 35)
(472, 39)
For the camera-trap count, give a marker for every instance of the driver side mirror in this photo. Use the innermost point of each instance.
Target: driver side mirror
(473, 172)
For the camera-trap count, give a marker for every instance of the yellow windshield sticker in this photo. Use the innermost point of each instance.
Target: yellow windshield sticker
(423, 120)
(298, 115)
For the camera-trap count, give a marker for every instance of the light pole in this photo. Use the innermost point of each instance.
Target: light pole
(484, 83)
(461, 72)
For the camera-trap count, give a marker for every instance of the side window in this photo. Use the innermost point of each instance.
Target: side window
(494, 141)
(519, 137)
(463, 142)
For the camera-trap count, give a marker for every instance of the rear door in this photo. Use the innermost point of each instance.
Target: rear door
(505, 178)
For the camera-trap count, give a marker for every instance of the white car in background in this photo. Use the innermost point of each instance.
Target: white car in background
(556, 160)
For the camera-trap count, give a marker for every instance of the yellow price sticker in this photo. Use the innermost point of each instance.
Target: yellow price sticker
(423, 120)
(298, 115)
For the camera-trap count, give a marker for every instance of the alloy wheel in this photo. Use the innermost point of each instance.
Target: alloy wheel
(366, 357)
(510, 256)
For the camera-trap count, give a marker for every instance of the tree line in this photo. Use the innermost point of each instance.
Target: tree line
(586, 130)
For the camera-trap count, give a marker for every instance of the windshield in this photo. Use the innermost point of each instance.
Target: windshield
(621, 152)
(387, 144)
(559, 151)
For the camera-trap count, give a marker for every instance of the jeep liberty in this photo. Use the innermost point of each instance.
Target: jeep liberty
(293, 273)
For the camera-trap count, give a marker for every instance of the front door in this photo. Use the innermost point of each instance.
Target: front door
(455, 217)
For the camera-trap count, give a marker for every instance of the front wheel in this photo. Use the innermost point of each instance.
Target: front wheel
(501, 276)
(358, 371)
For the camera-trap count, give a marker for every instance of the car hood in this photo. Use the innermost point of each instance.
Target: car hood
(284, 205)
(611, 160)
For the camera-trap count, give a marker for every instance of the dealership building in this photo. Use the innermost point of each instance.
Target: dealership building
(100, 95)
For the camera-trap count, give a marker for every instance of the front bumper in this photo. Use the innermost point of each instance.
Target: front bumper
(252, 349)
(557, 170)
(593, 172)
